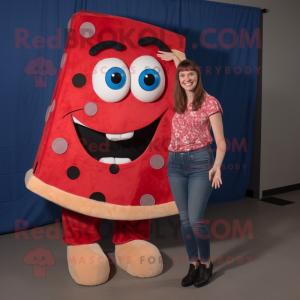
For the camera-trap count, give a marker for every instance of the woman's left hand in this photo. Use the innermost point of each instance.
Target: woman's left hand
(215, 176)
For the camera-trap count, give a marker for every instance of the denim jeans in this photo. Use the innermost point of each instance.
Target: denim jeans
(191, 188)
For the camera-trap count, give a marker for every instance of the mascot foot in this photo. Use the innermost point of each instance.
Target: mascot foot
(88, 265)
(139, 258)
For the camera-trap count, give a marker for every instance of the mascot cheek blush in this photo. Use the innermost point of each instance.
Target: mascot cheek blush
(103, 153)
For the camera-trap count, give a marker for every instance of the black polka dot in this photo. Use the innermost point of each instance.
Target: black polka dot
(79, 80)
(114, 169)
(98, 197)
(73, 173)
(35, 167)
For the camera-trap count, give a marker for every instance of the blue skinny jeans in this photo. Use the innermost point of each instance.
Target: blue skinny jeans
(191, 188)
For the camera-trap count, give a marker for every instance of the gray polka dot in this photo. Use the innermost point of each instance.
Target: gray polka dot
(87, 30)
(52, 106)
(157, 161)
(63, 60)
(47, 113)
(59, 146)
(69, 24)
(147, 200)
(90, 109)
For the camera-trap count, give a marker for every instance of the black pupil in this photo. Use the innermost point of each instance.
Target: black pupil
(149, 79)
(116, 78)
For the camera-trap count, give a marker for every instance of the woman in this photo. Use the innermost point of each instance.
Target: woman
(192, 170)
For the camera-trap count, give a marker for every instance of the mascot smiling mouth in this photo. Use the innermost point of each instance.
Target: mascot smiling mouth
(115, 148)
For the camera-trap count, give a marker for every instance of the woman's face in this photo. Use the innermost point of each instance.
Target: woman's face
(188, 80)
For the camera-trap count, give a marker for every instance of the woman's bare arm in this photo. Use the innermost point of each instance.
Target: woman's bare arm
(217, 127)
(168, 56)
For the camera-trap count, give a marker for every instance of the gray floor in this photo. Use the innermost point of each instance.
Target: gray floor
(267, 268)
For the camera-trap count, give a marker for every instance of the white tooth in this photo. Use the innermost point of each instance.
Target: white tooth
(78, 122)
(113, 137)
(108, 160)
(115, 160)
(122, 160)
(119, 137)
(127, 136)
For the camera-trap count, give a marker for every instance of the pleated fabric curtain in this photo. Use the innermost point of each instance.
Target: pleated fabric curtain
(223, 39)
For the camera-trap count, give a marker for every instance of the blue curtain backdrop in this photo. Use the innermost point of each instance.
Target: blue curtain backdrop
(221, 38)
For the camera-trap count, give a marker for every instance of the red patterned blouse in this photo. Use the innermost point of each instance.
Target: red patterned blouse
(191, 130)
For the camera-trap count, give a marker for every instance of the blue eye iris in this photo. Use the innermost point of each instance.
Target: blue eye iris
(115, 78)
(149, 80)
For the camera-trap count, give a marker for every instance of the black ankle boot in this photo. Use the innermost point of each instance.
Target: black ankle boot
(189, 278)
(203, 275)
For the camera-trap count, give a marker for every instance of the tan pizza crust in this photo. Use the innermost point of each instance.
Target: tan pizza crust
(94, 208)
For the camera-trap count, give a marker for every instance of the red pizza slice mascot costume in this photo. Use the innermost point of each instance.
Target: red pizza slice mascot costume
(103, 153)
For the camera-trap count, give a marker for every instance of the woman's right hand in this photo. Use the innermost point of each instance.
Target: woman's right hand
(168, 56)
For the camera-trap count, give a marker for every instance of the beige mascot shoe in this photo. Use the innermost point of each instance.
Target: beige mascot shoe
(88, 265)
(139, 258)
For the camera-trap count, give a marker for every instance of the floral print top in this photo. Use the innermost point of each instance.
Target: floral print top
(191, 130)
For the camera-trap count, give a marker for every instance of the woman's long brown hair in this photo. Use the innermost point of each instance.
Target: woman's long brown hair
(179, 92)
